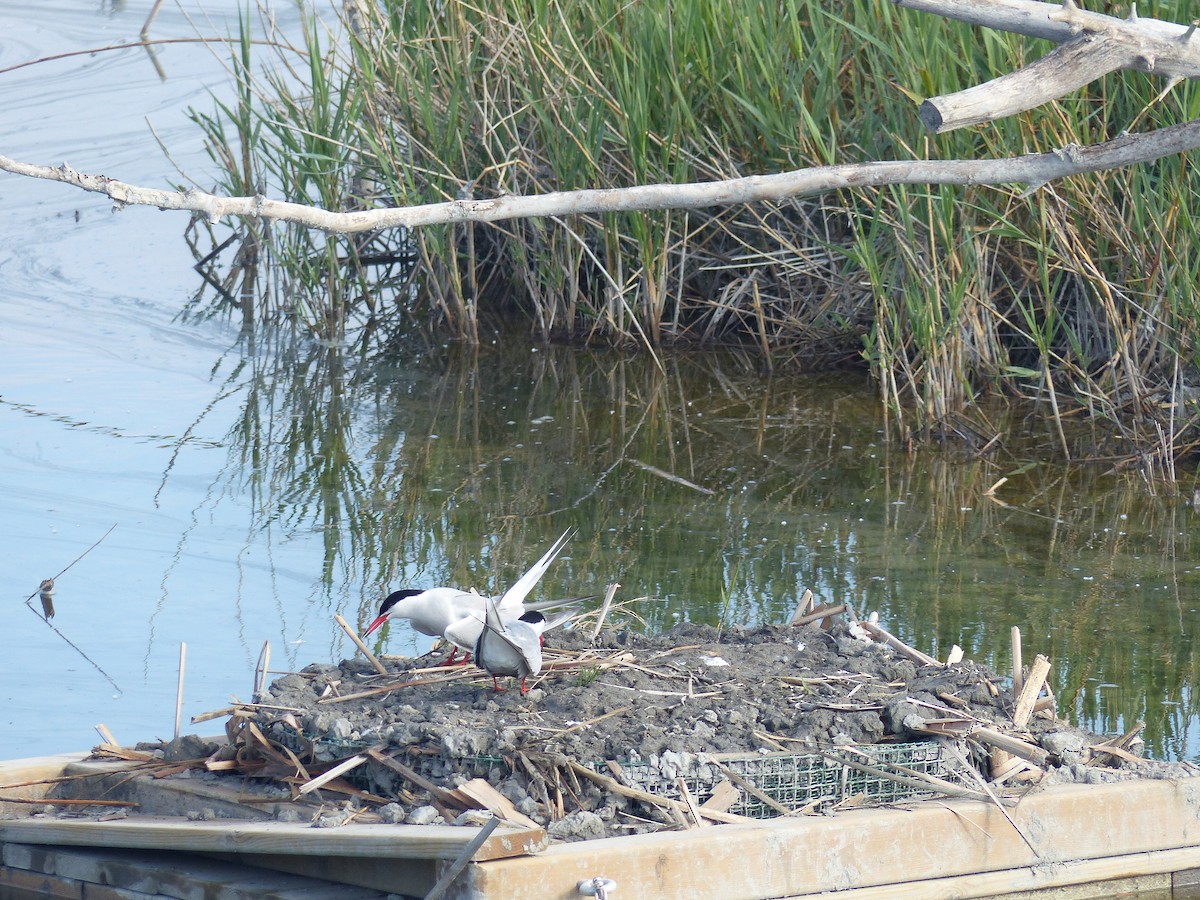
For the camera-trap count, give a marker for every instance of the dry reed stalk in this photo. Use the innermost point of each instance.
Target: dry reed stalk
(666, 803)
(879, 634)
(609, 593)
(1029, 692)
(1018, 670)
(358, 642)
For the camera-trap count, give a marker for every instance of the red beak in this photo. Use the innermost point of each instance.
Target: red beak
(378, 621)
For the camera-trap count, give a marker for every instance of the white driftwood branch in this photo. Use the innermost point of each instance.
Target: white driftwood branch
(1095, 44)
(1034, 169)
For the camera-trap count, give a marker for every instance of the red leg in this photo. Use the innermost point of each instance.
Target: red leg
(524, 688)
(450, 659)
(496, 689)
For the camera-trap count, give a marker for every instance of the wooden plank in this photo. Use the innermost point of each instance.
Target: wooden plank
(92, 873)
(161, 833)
(1078, 828)
(492, 800)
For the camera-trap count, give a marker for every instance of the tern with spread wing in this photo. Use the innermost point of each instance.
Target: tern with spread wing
(512, 647)
(436, 611)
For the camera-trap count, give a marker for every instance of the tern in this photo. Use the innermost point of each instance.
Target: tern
(512, 647)
(435, 611)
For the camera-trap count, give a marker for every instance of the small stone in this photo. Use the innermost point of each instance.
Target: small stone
(425, 815)
(393, 813)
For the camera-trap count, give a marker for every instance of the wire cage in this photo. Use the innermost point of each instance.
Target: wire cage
(810, 782)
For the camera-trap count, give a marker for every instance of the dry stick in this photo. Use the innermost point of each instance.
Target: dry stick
(662, 473)
(388, 688)
(898, 645)
(45, 801)
(1029, 693)
(361, 646)
(260, 670)
(179, 689)
(916, 780)
(1010, 744)
(988, 790)
(646, 797)
(326, 777)
(446, 797)
(803, 607)
(1035, 169)
(608, 599)
(821, 612)
(51, 625)
(690, 801)
(1018, 669)
(754, 791)
(150, 19)
(443, 883)
(103, 731)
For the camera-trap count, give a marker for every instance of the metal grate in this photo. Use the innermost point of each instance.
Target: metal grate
(810, 781)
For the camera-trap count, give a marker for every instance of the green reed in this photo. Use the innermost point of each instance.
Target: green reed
(1079, 297)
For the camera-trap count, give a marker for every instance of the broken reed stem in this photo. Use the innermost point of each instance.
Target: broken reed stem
(1010, 744)
(260, 670)
(179, 688)
(1018, 669)
(916, 780)
(690, 802)
(823, 612)
(646, 797)
(608, 599)
(803, 607)
(1029, 693)
(47, 801)
(898, 645)
(361, 646)
(754, 791)
(102, 730)
(336, 772)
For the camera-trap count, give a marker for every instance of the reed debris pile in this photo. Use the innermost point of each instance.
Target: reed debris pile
(629, 733)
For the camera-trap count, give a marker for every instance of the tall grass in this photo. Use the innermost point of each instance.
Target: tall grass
(1081, 296)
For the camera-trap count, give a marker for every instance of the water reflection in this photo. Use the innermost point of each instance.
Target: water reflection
(718, 496)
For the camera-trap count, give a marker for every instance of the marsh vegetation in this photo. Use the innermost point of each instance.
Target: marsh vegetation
(1079, 297)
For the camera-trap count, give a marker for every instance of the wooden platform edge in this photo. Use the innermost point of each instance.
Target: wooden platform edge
(239, 836)
(1079, 834)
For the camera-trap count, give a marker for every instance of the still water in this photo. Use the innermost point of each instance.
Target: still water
(260, 486)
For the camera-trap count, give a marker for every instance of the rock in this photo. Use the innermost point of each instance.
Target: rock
(578, 826)
(188, 746)
(1059, 742)
(425, 815)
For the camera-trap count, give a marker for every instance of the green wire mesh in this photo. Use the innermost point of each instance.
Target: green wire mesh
(809, 782)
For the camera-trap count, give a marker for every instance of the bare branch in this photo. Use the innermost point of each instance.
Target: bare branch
(1033, 169)
(1094, 44)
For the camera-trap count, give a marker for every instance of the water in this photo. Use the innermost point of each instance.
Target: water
(260, 487)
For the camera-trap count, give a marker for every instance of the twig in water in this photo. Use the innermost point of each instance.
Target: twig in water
(662, 473)
(47, 585)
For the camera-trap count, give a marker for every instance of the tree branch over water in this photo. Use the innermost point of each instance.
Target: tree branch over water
(1032, 169)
